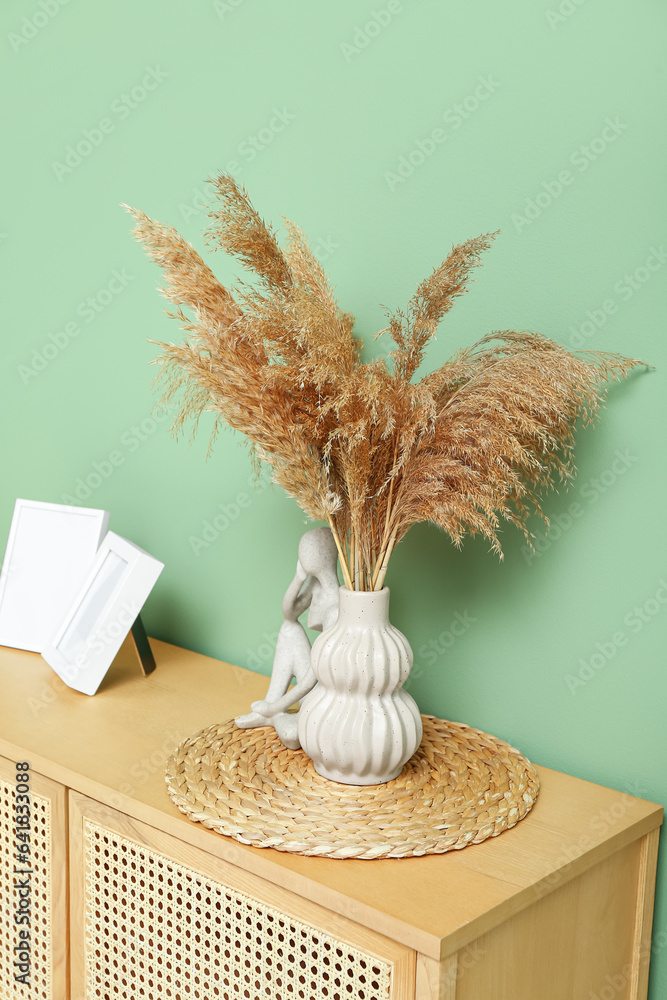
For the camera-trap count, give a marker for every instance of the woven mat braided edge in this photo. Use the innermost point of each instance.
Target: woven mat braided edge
(461, 787)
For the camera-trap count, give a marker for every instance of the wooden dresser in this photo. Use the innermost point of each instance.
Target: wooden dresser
(129, 900)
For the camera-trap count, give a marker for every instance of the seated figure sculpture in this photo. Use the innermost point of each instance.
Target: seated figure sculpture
(315, 586)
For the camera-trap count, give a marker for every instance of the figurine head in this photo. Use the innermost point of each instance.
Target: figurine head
(318, 558)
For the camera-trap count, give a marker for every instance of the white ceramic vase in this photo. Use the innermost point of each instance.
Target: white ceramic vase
(357, 724)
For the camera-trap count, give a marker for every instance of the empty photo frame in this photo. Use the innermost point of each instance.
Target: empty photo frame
(50, 550)
(103, 612)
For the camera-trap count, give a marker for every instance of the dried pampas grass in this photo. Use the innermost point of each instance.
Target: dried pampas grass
(361, 445)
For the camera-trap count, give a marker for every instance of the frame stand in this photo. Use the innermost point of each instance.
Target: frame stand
(142, 647)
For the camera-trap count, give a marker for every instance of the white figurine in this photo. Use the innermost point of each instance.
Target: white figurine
(315, 586)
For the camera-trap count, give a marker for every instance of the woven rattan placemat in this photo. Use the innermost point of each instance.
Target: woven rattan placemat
(460, 787)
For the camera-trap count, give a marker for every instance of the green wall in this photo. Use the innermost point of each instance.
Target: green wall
(548, 127)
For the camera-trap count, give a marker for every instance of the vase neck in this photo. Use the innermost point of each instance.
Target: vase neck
(363, 607)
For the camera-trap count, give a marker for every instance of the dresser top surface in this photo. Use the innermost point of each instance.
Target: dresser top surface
(114, 747)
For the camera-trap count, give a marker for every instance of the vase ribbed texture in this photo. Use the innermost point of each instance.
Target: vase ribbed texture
(357, 724)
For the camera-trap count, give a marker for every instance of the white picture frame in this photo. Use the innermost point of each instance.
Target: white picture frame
(49, 552)
(103, 612)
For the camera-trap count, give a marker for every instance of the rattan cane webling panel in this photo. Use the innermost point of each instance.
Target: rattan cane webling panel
(158, 930)
(39, 923)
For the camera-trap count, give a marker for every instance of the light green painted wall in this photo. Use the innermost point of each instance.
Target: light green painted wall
(547, 84)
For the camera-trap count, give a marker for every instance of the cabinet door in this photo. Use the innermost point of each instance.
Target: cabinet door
(34, 898)
(153, 918)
